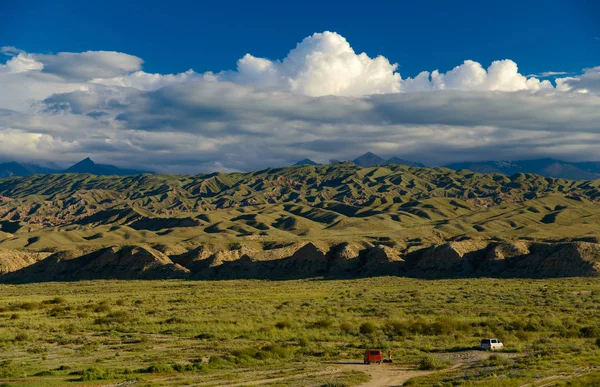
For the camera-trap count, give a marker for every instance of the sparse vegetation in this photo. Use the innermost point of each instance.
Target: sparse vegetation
(547, 326)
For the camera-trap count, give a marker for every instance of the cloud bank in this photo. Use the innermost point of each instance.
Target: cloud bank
(322, 101)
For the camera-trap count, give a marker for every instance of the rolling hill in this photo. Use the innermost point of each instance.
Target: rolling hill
(296, 222)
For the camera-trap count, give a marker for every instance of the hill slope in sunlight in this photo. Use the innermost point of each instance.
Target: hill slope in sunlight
(377, 219)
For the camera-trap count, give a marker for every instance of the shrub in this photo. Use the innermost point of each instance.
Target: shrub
(590, 332)
(346, 327)
(432, 363)
(55, 300)
(496, 360)
(217, 361)
(323, 323)
(283, 325)
(205, 336)
(394, 329)
(26, 306)
(159, 369)
(45, 373)
(367, 328)
(58, 311)
(14, 316)
(174, 320)
(94, 373)
(102, 307)
(194, 367)
(303, 342)
(245, 352)
(277, 350)
(22, 336)
(118, 317)
(523, 336)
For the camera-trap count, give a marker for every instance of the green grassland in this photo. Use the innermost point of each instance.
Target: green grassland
(209, 333)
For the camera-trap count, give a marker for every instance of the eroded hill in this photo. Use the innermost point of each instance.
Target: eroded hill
(295, 222)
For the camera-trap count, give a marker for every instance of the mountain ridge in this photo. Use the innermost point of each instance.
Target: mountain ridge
(548, 167)
(13, 168)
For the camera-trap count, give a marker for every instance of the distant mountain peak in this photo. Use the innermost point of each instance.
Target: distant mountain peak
(87, 165)
(86, 161)
(369, 159)
(306, 162)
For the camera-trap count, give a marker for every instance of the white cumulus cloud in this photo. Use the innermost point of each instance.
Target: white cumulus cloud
(322, 64)
(326, 64)
(502, 75)
(323, 101)
(588, 82)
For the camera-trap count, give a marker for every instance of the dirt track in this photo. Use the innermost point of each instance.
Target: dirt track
(384, 375)
(390, 375)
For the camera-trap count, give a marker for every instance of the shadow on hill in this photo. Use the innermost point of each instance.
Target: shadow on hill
(129, 262)
(462, 259)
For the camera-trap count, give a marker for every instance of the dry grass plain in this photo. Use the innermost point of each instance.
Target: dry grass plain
(298, 333)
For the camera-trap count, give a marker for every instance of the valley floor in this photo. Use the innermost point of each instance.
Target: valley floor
(300, 333)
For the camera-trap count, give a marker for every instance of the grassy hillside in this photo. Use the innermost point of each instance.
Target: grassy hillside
(255, 215)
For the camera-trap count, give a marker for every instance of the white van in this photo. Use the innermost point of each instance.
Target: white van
(491, 344)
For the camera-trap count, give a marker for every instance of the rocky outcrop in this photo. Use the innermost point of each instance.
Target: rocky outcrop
(449, 258)
(380, 260)
(307, 260)
(344, 258)
(572, 259)
(500, 255)
(127, 262)
(11, 260)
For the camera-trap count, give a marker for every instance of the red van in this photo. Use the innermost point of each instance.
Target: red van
(373, 356)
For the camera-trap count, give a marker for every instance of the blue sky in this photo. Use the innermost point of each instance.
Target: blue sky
(272, 83)
(173, 36)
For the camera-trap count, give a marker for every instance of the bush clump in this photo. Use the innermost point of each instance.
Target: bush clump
(159, 369)
(590, 332)
(55, 300)
(367, 328)
(431, 363)
(323, 323)
(22, 336)
(26, 306)
(118, 317)
(94, 373)
(102, 307)
(346, 327)
(283, 325)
